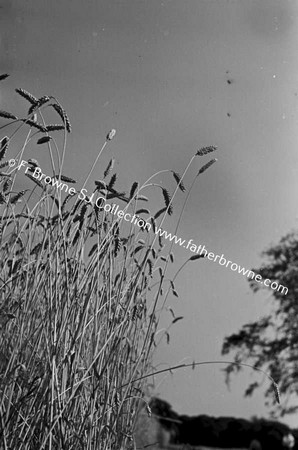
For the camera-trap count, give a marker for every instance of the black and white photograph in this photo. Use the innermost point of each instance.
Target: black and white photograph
(148, 224)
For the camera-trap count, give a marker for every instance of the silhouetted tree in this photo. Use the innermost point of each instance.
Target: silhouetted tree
(271, 343)
(167, 418)
(223, 432)
(230, 432)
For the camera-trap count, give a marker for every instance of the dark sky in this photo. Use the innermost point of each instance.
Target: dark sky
(157, 72)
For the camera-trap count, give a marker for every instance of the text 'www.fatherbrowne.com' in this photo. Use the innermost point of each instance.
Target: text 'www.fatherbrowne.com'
(202, 250)
(101, 203)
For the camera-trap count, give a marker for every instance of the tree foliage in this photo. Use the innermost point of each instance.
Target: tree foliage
(218, 432)
(271, 343)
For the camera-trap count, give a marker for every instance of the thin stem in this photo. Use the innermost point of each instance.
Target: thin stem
(94, 164)
(181, 366)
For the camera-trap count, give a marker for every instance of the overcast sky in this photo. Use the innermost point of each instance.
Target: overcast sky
(157, 72)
